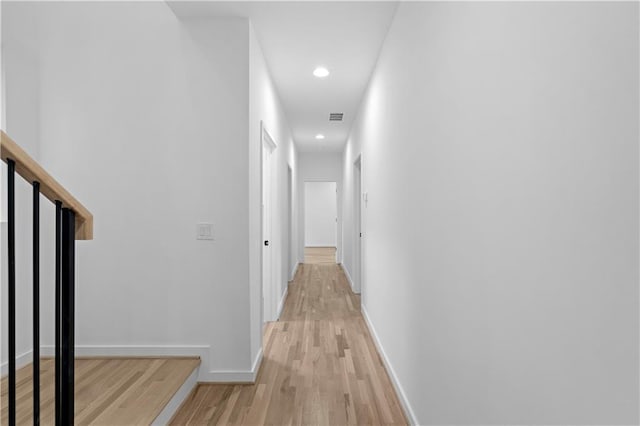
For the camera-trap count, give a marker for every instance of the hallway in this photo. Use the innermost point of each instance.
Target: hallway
(320, 365)
(320, 212)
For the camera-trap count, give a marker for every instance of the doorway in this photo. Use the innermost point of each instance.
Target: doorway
(321, 217)
(269, 298)
(291, 263)
(357, 225)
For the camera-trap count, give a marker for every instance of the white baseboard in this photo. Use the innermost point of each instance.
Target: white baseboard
(320, 246)
(21, 360)
(284, 297)
(411, 417)
(294, 271)
(178, 398)
(202, 351)
(346, 273)
(235, 376)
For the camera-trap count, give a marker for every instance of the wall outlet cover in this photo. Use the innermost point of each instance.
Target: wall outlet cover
(204, 231)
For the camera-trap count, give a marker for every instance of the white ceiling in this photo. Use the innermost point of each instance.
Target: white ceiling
(296, 37)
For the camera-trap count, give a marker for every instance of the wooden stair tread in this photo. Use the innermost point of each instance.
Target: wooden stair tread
(108, 390)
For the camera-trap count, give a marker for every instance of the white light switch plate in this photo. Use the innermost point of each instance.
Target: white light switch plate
(205, 231)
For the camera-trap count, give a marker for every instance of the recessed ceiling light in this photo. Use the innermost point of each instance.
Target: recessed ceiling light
(321, 72)
(319, 136)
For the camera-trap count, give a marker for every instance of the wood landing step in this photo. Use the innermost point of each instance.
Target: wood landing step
(110, 390)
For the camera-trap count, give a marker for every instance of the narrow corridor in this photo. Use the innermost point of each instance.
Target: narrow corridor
(320, 365)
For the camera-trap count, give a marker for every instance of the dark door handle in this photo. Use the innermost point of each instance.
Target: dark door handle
(266, 243)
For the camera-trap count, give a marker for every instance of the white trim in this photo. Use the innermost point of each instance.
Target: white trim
(267, 299)
(21, 360)
(294, 271)
(284, 297)
(235, 376)
(319, 246)
(266, 135)
(346, 273)
(256, 365)
(411, 417)
(178, 398)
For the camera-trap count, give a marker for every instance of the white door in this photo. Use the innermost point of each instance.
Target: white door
(320, 214)
(290, 252)
(268, 282)
(357, 226)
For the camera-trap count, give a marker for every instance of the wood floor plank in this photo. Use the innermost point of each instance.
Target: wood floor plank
(320, 364)
(319, 255)
(108, 391)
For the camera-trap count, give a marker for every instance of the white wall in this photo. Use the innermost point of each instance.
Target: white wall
(20, 91)
(500, 155)
(265, 107)
(2, 96)
(147, 125)
(318, 167)
(321, 213)
(156, 123)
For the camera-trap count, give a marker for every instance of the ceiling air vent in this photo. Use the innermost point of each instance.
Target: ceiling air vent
(335, 116)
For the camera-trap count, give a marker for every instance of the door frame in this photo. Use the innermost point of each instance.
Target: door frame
(268, 300)
(358, 233)
(291, 250)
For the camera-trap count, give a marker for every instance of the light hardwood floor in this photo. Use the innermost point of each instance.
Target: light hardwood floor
(324, 255)
(108, 391)
(320, 366)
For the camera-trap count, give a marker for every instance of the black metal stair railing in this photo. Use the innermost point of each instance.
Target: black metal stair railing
(69, 227)
(64, 300)
(36, 302)
(11, 252)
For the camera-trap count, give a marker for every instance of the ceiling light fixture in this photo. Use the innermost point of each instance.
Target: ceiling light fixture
(319, 136)
(321, 72)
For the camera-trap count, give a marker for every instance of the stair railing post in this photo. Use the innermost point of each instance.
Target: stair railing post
(58, 300)
(11, 249)
(36, 303)
(67, 312)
